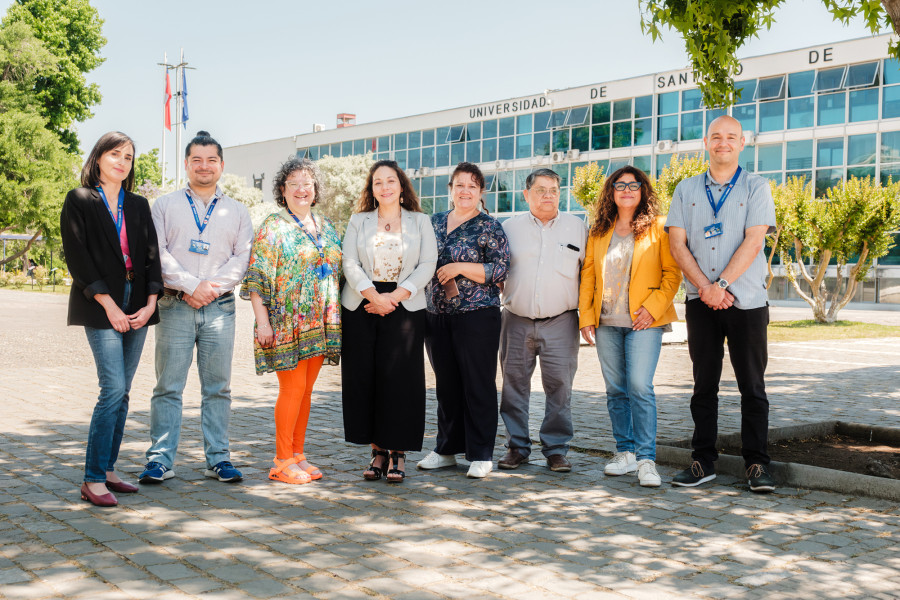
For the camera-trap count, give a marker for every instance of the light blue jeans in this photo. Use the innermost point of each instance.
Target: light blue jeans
(117, 356)
(180, 329)
(628, 359)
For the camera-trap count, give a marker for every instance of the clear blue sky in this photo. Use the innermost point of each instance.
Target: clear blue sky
(273, 68)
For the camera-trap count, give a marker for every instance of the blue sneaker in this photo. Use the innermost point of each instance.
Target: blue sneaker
(224, 471)
(155, 472)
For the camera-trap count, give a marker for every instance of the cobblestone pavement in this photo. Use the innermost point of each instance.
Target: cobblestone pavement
(523, 534)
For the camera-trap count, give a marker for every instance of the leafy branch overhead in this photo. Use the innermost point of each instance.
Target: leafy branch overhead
(714, 31)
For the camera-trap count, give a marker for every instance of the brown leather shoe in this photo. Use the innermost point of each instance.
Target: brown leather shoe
(558, 463)
(512, 460)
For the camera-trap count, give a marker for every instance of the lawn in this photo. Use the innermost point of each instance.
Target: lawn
(805, 330)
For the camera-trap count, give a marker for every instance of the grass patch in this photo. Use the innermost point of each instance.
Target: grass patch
(808, 329)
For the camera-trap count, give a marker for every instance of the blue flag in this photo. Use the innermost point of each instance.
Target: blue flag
(184, 107)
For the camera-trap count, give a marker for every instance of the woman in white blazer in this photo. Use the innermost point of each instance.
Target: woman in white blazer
(390, 254)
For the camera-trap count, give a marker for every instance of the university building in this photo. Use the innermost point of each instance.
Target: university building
(825, 113)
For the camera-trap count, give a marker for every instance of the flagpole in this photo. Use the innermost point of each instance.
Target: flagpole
(162, 151)
(178, 101)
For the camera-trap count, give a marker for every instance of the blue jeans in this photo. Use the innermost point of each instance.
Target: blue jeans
(180, 329)
(628, 359)
(117, 356)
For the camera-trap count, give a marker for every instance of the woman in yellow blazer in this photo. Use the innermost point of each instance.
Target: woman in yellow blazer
(628, 284)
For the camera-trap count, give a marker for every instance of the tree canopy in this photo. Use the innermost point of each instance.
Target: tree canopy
(714, 31)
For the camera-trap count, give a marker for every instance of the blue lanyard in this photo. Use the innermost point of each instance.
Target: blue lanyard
(323, 269)
(117, 221)
(717, 207)
(209, 211)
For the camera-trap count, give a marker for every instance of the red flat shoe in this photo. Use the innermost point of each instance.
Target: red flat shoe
(121, 487)
(97, 500)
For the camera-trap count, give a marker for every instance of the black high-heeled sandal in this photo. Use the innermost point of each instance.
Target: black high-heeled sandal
(395, 457)
(374, 473)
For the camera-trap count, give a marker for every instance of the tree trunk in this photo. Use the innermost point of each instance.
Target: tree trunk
(892, 7)
(772, 255)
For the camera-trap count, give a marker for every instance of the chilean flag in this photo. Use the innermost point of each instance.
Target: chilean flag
(167, 117)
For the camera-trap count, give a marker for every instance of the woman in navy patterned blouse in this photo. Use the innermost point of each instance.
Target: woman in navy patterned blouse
(463, 317)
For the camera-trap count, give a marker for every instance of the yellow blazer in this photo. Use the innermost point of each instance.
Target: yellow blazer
(655, 277)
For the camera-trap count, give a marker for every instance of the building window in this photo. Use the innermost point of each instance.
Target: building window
(768, 157)
(771, 116)
(829, 80)
(864, 75)
(600, 113)
(831, 109)
(830, 152)
(863, 105)
(771, 88)
(577, 116)
(455, 134)
(800, 112)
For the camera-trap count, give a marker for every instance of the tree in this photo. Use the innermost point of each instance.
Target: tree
(587, 184)
(71, 31)
(147, 168)
(342, 182)
(714, 30)
(680, 167)
(850, 226)
(22, 59)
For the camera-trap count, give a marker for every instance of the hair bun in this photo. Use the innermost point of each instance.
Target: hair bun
(202, 133)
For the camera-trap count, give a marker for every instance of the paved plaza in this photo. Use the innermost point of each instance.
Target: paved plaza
(525, 534)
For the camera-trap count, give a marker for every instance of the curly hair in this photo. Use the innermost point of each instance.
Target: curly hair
(606, 211)
(291, 166)
(408, 197)
(473, 170)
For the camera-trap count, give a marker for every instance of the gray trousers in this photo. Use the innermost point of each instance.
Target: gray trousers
(522, 340)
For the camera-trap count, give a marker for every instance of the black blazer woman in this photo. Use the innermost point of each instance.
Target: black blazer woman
(111, 252)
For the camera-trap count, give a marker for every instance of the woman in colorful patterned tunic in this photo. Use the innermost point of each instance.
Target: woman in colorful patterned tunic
(292, 283)
(463, 334)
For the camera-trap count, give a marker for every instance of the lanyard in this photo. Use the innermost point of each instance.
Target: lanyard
(717, 207)
(323, 269)
(117, 221)
(209, 211)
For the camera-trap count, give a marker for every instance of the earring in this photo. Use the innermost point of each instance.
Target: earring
(401, 199)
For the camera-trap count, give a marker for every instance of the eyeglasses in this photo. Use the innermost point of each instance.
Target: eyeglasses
(620, 186)
(542, 191)
(293, 186)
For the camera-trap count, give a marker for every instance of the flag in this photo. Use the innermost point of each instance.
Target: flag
(184, 108)
(167, 100)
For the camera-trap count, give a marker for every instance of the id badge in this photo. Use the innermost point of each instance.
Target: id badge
(199, 247)
(712, 231)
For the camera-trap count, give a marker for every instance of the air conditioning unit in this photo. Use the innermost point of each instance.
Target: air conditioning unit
(573, 154)
(558, 156)
(502, 164)
(664, 145)
(749, 137)
(424, 172)
(317, 127)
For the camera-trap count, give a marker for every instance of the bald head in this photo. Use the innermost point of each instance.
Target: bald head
(724, 141)
(724, 121)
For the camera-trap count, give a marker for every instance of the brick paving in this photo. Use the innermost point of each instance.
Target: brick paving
(526, 534)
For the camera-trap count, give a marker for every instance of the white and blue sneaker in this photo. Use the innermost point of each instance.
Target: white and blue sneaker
(155, 472)
(224, 471)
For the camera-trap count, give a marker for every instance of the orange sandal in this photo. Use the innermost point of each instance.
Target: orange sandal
(282, 473)
(313, 471)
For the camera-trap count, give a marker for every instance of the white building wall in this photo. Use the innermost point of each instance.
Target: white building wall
(260, 158)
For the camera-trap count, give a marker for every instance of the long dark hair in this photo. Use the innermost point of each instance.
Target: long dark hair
(90, 172)
(408, 197)
(606, 211)
(473, 170)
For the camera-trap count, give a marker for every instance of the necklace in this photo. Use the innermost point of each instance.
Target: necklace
(388, 222)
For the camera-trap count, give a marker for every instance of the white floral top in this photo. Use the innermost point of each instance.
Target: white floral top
(388, 256)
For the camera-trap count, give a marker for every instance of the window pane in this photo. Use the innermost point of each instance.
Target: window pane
(504, 202)
(622, 134)
(890, 146)
(643, 107)
(771, 116)
(442, 156)
(862, 75)
(505, 181)
(428, 157)
(662, 161)
(523, 146)
(800, 112)
(413, 159)
(473, 131)
(542, 143)
(667, 128)
(600, 137)
(747, 158)
(520, 204)
(520, 176)
(692, 125)
(800, 84)
(346, 148)
(456, 133)
(399, 141)
(442, 133)
(581, 139)
(507, 148)
(561, 140)
(335, 150)
(667, 103)
(542, 121)
(826, 178)
(861, 149)
(577, 116)
(863, 105)
(428, 137)
(714, 114)
(489, 150)
(642, 163)
(400, 157)
(473, 151)
(746, 115)
(490, 201)
(768, 157)
(615, 165)
(524, 123)
(861, 172)
(314, 153)
(891, 107)
(507, 126)
(691, 100)
(891, 71)
(831, 109)
(890, 173)
(457, 153)
(771, 88)
(600, 113)
(489, 129)
(747, 90)
(558, 118)
(799, 155)
(562, 169)
(359, 146)
(622, 109)
(415, 139)
(643, 132)
(804, 175)
(828, 80)
(830, 152)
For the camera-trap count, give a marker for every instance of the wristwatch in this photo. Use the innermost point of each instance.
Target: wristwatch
(722, 283)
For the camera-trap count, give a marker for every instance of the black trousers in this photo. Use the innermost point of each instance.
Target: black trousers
(383, 376)
(745, 331)
(463, 349)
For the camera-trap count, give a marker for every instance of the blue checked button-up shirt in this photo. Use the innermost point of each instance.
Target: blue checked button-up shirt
(750, 203)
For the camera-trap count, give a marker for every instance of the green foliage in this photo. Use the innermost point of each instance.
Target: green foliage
(587, 184)
(680, 167)
(236, 187)
(18, 280)
(714, 30)
(39, 276)
(71, 31)
(23, 59)
(342, 181)
(147, 168)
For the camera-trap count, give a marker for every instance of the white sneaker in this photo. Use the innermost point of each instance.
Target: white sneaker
(480, 468)
(622, 463)
(437, 461)
(647, 475)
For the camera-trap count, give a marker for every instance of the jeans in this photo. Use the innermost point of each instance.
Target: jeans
(117, 356)
(628, 359)
(180, 329)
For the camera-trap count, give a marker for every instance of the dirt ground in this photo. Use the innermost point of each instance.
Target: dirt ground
(836, 451)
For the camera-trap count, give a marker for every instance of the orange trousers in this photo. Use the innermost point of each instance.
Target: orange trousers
(292, 407)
